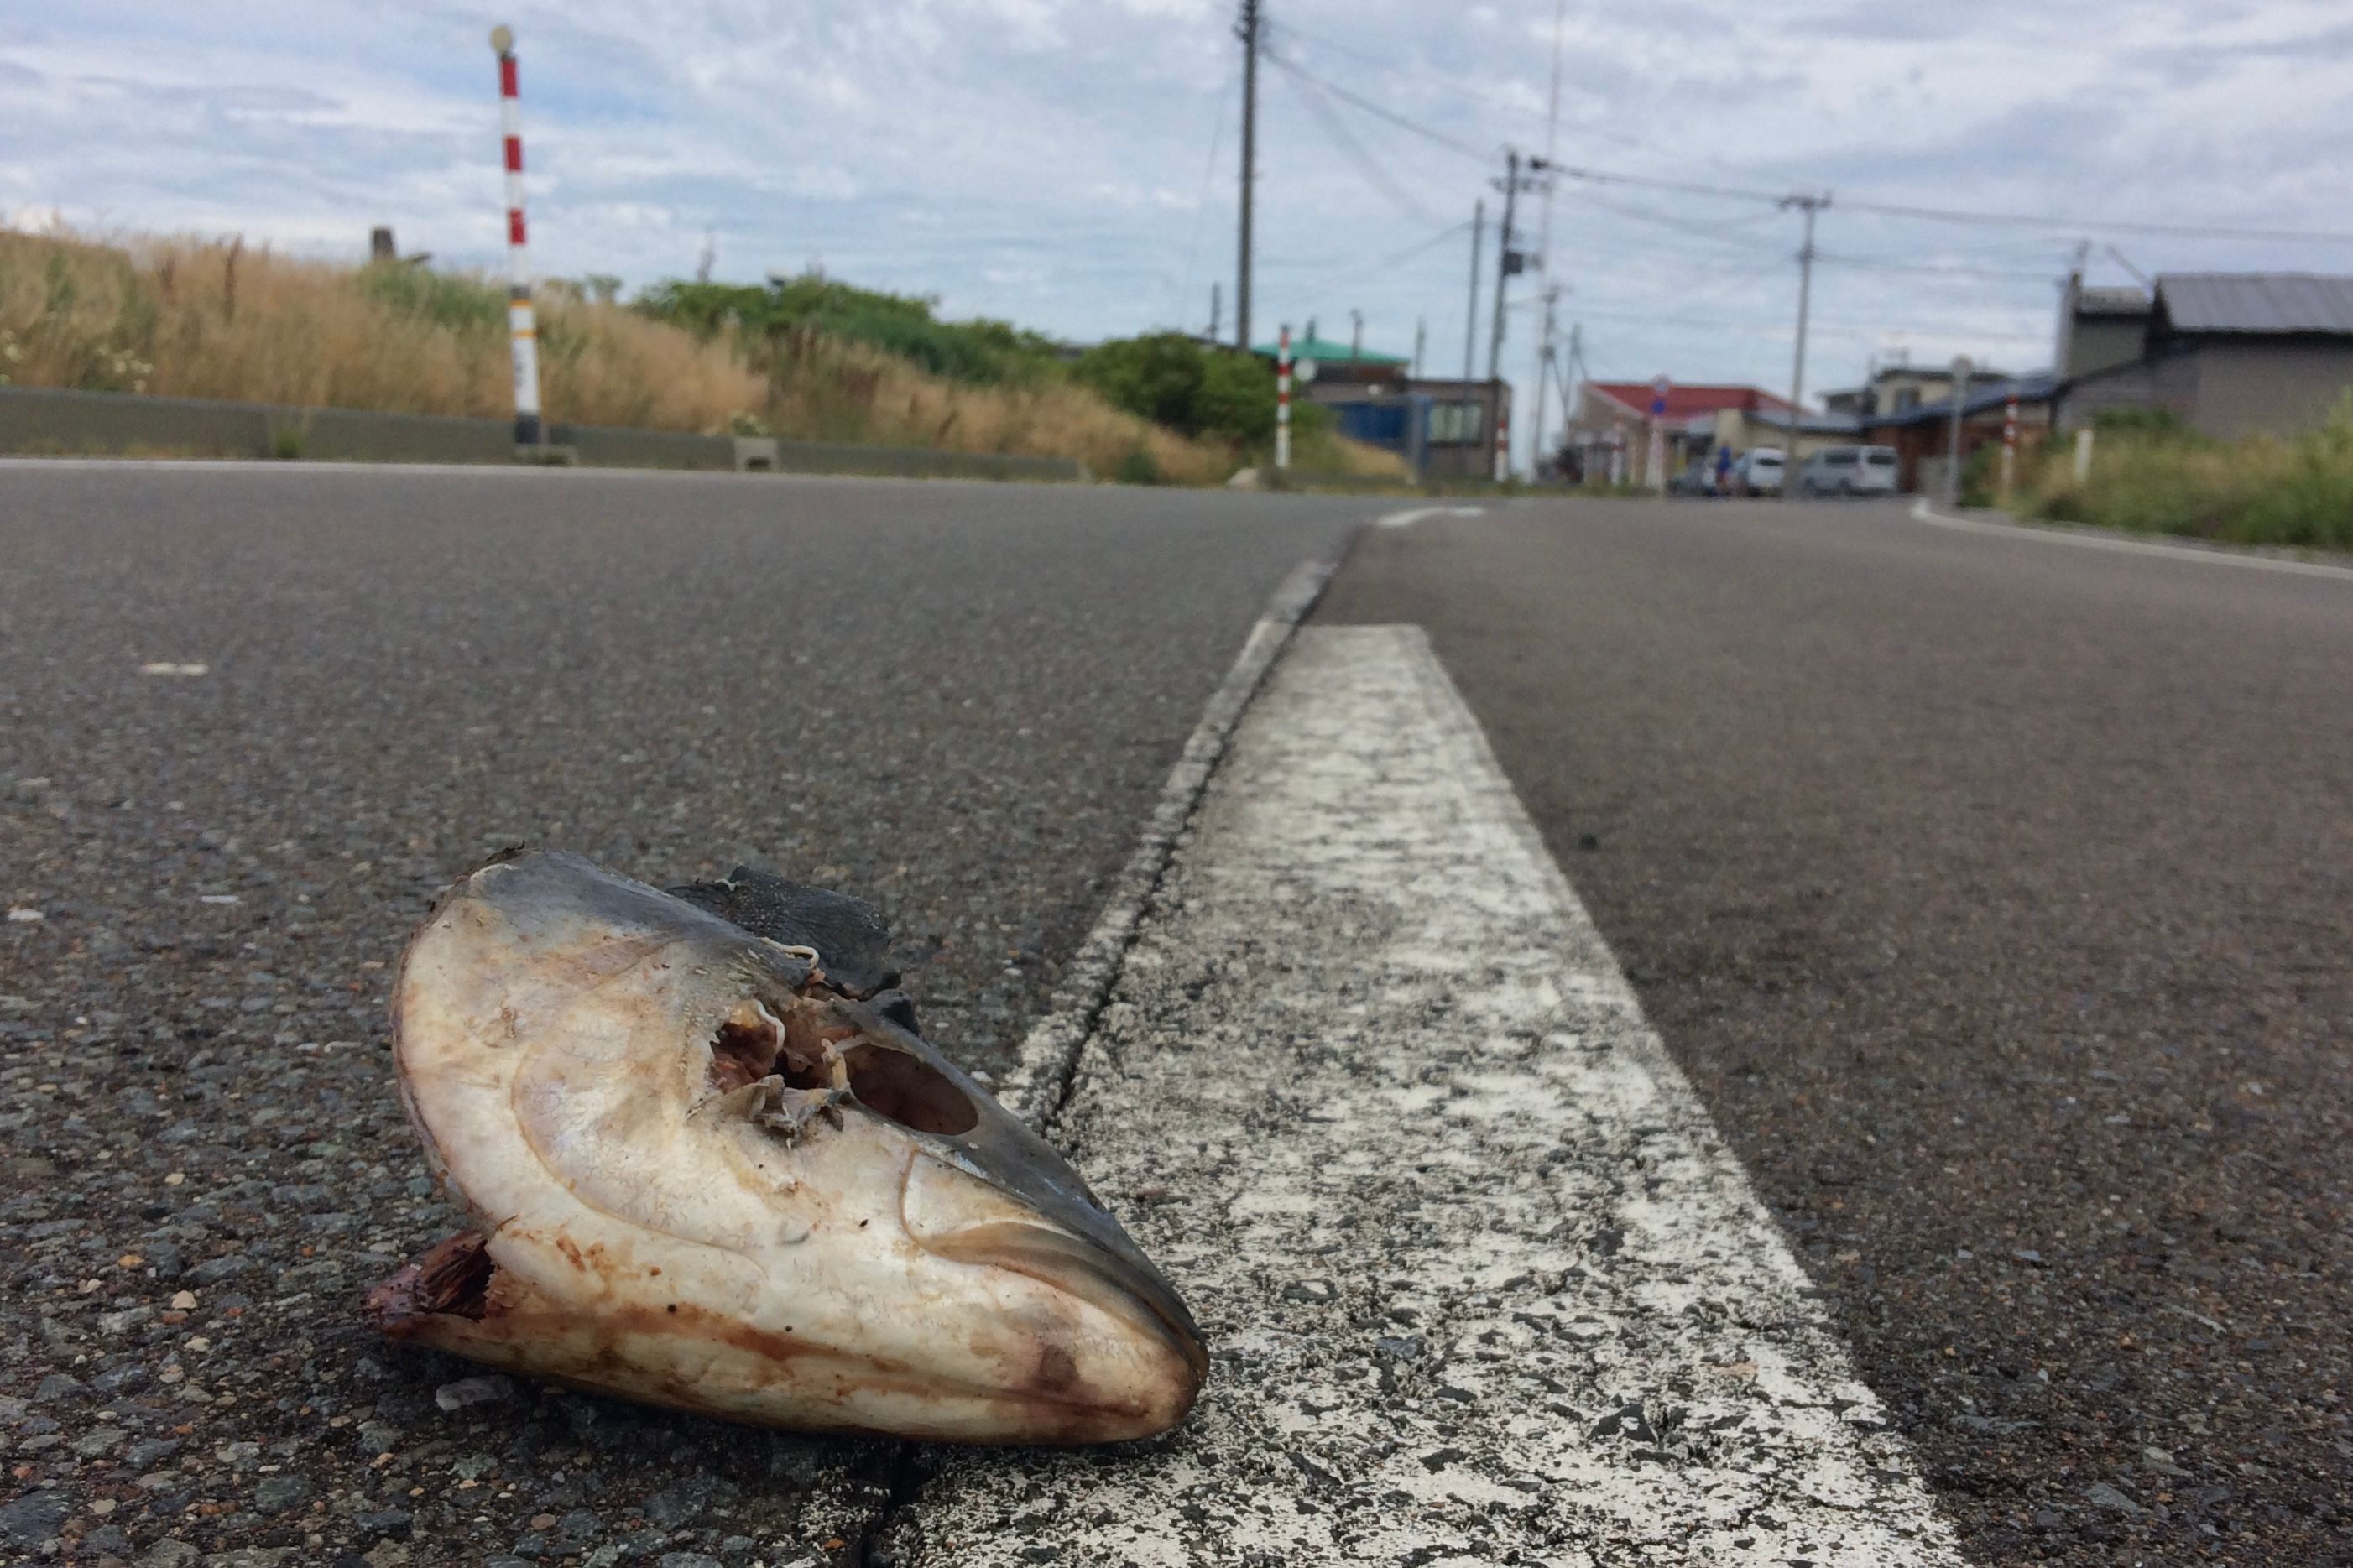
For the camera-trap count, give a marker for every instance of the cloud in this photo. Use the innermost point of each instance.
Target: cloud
(1072, 164)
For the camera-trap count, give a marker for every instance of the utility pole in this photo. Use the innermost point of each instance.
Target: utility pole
(1420, 336)
(1471, 325)
(1544, 372)
(2070, 290)
(1507, 262)
(1544, 236)
(1504, 259)
(1809, 205)
(1247, 31)
(1217, 309)
(1961, 372)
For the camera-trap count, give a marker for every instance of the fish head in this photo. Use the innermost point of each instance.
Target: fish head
(702, 1177)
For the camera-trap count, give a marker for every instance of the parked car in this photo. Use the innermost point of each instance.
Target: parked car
(1826, 472)
(1878, 473)
(1849, 471)
(1758, 472)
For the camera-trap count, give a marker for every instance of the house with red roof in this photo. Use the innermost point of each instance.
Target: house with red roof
(1609, 431)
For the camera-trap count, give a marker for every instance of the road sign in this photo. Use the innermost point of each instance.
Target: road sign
(1303, 369)
(1659, 390)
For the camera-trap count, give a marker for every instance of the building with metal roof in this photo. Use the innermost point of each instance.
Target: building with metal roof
(2228, 353)
(2269, 303)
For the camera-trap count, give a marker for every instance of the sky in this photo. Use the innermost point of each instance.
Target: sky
(1071, 165)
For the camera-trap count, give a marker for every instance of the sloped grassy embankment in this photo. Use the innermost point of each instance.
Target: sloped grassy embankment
(805, 358)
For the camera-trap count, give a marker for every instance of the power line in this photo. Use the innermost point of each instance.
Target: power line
(2056, 223)
(1480, 155)
(1595, 132)
(1713, 233)
(2108, 225)
(1931, 269)
(2060, 225)
(1399, 259)
(1368, 166)
(1209, 177)
(1839, 329)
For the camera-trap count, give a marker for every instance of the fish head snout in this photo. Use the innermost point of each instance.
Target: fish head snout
(1109, 1341)
(1098, 1339)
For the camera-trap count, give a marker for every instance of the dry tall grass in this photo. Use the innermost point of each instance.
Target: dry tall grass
(221, 319)
(2151, 474)
(823, 388)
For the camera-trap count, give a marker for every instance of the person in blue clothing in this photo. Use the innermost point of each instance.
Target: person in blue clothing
(1723, 468)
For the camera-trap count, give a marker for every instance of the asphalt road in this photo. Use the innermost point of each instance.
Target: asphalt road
(958, 699)
(1994, 895)
(1991, 893)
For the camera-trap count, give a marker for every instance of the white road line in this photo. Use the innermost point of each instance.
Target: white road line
(1408, 518)
(1923, 512)
(1480, 1280)
(1033, 1088)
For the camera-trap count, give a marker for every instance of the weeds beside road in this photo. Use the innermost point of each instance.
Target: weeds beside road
(2152, 474)
(219, 319)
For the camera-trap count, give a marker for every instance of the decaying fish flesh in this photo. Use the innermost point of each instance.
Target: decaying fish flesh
(712, 1166)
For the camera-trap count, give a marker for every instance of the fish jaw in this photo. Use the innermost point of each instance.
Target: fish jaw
(645, 1229)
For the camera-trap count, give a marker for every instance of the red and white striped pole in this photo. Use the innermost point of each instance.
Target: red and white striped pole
(522, 327)
(1283, 400)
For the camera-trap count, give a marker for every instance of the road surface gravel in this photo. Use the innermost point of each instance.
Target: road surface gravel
(957, 700)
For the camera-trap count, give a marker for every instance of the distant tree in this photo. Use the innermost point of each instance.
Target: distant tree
(1172, 380)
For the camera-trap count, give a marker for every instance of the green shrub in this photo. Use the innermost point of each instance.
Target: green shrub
(1237, 399)
(982, 352)
(1171, 379)
(1138, 468)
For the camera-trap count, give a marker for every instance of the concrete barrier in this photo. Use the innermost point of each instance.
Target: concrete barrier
(46, 422)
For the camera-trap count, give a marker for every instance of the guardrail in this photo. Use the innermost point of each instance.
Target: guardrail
(46, 422)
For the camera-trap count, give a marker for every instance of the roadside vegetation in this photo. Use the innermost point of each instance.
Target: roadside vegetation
(2153, 474)
(806, 358)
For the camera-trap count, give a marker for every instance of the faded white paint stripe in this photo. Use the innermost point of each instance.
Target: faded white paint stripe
(1412, 515)
(1480, 1276)
(2084, 540)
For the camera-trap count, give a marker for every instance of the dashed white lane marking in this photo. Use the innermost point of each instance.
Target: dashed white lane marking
(1477, 1274)
(1923, 512)
(1409, 518)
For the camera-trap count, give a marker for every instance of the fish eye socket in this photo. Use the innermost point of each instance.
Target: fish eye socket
(909, 1091)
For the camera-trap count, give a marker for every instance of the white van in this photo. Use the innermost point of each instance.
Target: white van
(1849, 471)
